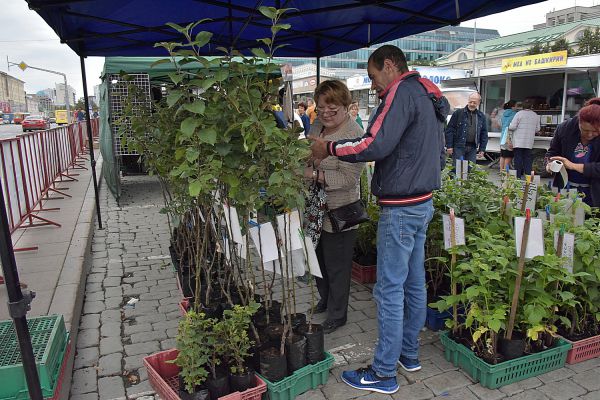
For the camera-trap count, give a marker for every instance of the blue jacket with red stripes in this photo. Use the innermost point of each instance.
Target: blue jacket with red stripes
(405, 139)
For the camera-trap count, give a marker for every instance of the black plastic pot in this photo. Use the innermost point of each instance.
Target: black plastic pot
(200, 393)
(296, 352)
(273, 365)
(218, 386)
(511, 349)
(315, 343)
(242, 382)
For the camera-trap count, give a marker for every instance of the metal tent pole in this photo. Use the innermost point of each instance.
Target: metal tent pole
(90, 141)
(18, 304)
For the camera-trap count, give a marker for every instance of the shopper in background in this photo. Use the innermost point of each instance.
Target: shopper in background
(524, 126)
(310, 111)
(354, 113)
(506, 146)
(341, 182)
(576, 143)
(466, 133)
(304, 118)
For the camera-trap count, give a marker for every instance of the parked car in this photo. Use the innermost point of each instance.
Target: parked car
(35, 122)
(52, 120)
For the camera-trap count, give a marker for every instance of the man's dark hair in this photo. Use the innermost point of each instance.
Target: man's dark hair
(391, 53)
(527, 105)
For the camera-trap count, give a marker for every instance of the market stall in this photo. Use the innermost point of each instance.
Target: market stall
(558, 85)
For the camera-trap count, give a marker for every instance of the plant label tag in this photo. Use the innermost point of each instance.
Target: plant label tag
(288, 225)
(537, 179)
(554, 190)
(293, 265)
(531, 196)
(462, 170)
(512, 172)
(459, 231)
(233, 223)
(313, 261)
(265, 241)
(535, 241)
(568, 246)
(552, 218)
(579, 216)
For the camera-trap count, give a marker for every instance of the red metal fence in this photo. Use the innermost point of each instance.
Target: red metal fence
(33, 165)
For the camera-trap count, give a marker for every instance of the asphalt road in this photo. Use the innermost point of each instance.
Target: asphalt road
(8, 131)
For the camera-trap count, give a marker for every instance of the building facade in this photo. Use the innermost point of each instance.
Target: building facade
(57, 94)
(12, 91)
(571, 14)
(420, 48)
(33, 104)
(490, 53)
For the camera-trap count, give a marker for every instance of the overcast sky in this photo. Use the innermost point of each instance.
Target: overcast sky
(26, 37)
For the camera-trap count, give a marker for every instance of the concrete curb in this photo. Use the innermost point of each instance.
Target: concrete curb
(70, 289)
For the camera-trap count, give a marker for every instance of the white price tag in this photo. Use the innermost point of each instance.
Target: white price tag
(568, 246)
(535, 241)
(265, 241)
(289, 227)
(531, 196)
(459, 231)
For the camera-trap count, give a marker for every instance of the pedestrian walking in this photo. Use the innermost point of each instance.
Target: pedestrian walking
(524, 126)
(466, 133)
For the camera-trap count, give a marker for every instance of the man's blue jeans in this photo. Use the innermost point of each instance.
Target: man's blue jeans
(468, 153)
(400, 291)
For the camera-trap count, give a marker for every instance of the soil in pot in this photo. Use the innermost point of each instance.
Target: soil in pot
(274, 331)
(273, 365)
(298, 319)
(200, 392)
(295, 349)
(218, 386)
(315, 342)
(241, 382)
(513, 348)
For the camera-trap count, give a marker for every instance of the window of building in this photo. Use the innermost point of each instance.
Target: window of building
(462, 56)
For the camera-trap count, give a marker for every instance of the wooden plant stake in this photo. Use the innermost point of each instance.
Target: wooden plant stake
(504, 207)
(521, 266)
(525, 194)
(452, 265)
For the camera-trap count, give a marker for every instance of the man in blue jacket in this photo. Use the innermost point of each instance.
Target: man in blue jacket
(405, 138)
(466, 133)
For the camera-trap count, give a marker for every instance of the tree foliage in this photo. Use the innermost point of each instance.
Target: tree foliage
(589, 42)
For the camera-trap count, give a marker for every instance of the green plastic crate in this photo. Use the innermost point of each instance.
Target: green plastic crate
(494, 376)
(49, 341)
(306, 378)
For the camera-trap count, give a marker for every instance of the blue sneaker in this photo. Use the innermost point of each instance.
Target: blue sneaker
(409, 364)
(367, 379)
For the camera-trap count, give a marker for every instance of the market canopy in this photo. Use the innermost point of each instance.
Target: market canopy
(318, 28)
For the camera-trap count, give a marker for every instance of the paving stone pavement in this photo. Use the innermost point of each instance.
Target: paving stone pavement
(131, 259)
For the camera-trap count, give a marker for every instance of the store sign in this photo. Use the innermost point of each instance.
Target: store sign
(538, 61)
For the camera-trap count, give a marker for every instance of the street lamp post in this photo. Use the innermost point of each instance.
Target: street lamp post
(24, 66)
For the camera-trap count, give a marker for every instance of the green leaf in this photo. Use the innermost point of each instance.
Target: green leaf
(173, 98)
(197, 107)
(194, 188)
(266, 41)
(192, 154)
(495, 325)
(258, 52)
(203, 38)
(278, 27)
(189, 125)
(269, 12)
(225, 148)
(178, 28)
(221, 75)
(208, 135)
(275, 178)
(161, 61)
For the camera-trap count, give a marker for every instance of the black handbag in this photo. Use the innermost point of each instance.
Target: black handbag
(347, 216)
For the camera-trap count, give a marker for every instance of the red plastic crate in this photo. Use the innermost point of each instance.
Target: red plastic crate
(184, 306)
(61, 375)
(164, 380)
(583, 350)
(364, 273)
